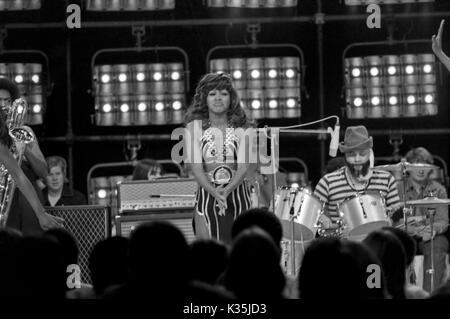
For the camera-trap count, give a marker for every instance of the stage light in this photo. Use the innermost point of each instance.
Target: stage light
(175, 76)
(101, 194)
(375, 100)
(390, 86)
(269, 86)
(409, 69)
(124, 108)
(135, 91)
(374, 71)
(122, 77)
(428, 98)
(107, 108)
(256, 104)
(356, 72)
(411, 99)
(290, 73)
(427, 68)
(357, 102)
(367, 2)
(252, 4)
(18, 79)
(31, 81)
(176, 105)
(142, 107)
(35, 78)
(157, 76)
(273, 74)
(19, 5)
(129, 5)
(290, 103)
(140, 76)
(36, 108)
(273, 104)
(255, 74)
(105, 78)
(393, 100)
(392, 70)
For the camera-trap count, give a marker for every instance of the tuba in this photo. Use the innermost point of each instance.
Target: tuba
(21, 136)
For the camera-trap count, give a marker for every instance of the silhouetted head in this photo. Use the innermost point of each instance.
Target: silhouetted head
(262, 218)
(158, 255)
(68, 243)
(338, 269)
(108, 263)
(390, 252)
(209, 259)
(254, 269)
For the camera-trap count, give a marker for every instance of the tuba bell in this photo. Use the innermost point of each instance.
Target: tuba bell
(21, 136)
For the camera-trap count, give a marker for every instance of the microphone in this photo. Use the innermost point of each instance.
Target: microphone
(334, 143)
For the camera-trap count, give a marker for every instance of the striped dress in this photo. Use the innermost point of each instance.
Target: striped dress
(335, 187)
(219, 223)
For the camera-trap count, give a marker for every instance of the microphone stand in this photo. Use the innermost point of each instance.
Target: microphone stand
(268, 132)
(292, 215)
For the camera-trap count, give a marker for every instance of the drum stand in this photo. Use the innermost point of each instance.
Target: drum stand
(291, 220)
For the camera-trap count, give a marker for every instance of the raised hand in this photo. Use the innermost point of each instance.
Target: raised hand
(436, 45)
(437, 40)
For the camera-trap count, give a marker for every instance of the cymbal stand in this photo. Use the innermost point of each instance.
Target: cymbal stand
(431, 212)
(405, 210)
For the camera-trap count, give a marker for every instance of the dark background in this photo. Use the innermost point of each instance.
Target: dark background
(45, 30)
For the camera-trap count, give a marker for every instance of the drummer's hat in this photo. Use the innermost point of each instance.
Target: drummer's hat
(356, 139)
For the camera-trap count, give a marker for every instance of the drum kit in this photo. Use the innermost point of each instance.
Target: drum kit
(299, 212)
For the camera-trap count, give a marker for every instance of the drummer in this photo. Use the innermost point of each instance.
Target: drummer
(357, 176)
(420, 185)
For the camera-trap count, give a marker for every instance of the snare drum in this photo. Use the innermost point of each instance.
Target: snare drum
(363, 213)
(306, 210)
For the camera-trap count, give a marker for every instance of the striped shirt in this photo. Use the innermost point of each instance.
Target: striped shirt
(335, 187)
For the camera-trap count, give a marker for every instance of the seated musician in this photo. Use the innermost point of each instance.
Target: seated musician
(420, 185)
(357, 176)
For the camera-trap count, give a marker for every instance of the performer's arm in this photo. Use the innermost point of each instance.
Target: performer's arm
(45, 220)
(35, 157)
(322, 193)
(437, 47)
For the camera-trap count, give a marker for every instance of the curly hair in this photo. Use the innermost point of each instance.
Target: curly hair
(11, 87)
(198, 110)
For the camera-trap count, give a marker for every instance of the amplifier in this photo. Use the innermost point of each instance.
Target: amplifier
(181, 218)
(89, 225)
(164, 194)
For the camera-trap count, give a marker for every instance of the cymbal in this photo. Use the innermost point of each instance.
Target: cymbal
(429, 202)
(408, 166)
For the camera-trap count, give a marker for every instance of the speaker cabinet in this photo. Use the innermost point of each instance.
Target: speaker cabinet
(88, 225)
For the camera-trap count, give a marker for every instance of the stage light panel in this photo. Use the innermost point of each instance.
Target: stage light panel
(390, 86)
(252, 4)
(129, 5)
(28, 78)
(19, 5)
(135, 91)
